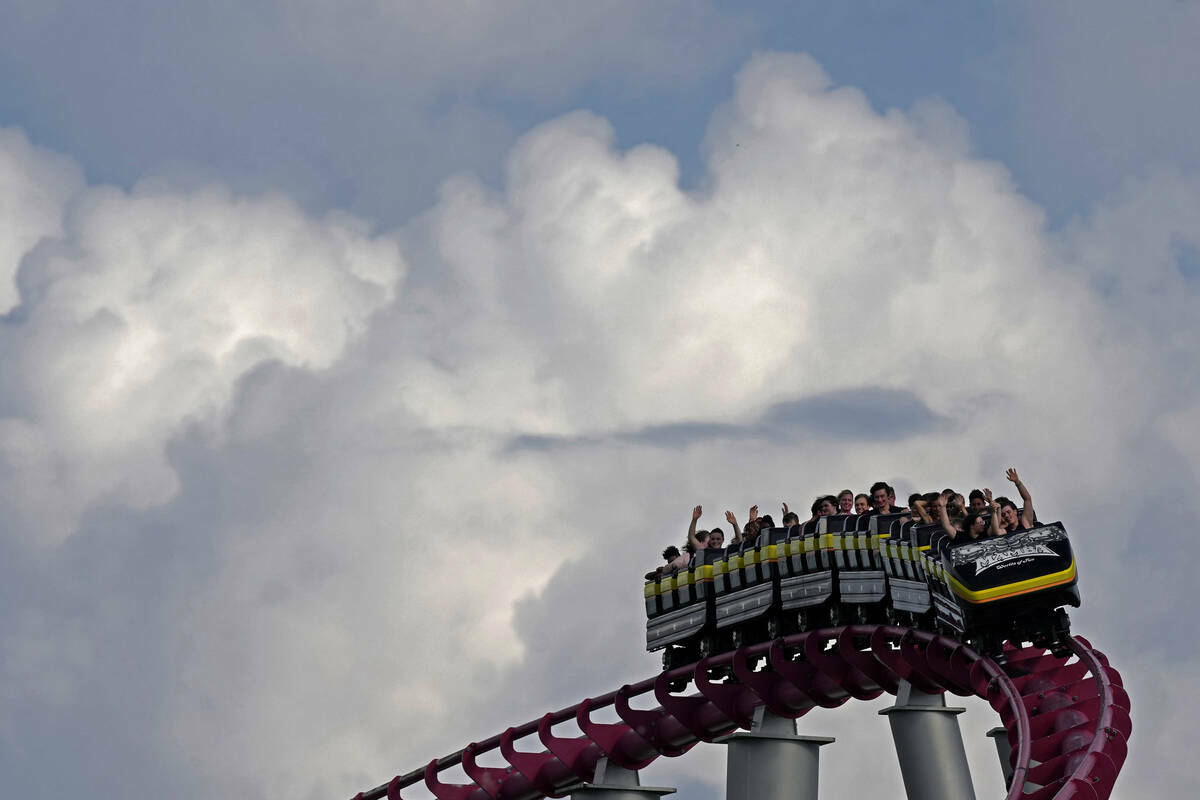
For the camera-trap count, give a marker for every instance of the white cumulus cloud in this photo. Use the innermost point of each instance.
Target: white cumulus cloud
(140, 316)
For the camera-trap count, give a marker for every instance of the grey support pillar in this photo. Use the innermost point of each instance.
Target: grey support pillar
(771, 762)
(617, 783)
(929, 746)
(1000, 737)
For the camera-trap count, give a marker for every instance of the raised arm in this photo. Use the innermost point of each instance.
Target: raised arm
(944, 518)
(737, 531)
(696, 543)
(994, 528)
(1027, 515)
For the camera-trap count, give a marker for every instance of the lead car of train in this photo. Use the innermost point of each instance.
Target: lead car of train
(845, 569)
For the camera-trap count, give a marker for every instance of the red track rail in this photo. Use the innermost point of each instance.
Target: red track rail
(1068, 719)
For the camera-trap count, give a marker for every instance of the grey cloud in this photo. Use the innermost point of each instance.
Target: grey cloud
(868, 413)
(365, 106)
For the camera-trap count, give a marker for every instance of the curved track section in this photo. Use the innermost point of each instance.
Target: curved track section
(1067, 718)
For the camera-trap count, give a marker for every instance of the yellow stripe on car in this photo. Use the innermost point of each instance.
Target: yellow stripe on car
(1013, 589)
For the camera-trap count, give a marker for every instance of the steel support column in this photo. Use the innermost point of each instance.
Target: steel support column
(999, 737)
(929, 745)
(771, 762)
(617, 783)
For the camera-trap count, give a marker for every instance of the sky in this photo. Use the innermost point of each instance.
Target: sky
(356, 359)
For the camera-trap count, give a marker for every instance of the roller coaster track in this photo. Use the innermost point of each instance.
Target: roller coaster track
(1067, 718)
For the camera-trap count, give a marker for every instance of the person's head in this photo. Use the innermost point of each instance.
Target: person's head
(977, 502)
(973, 525)
(716, 538)
(765, 521)
(914, 499)
(791, 518)
(750, 531)
(1009, 513)
(845, 502)
(824, 506)
(862, 504)
(948, 494)
(671, 553)
(879, 496)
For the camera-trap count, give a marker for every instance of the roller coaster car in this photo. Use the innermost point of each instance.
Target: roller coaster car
(1012, 587)
(680, 610)
(866, 569)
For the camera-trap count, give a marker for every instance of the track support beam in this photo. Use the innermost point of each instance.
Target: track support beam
(771, 762)
(929, 745)
(612, 782)
(999, 737)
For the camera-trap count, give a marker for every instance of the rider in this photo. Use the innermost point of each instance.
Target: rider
(1012, 519)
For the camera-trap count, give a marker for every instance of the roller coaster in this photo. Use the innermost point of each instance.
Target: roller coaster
(885, 606)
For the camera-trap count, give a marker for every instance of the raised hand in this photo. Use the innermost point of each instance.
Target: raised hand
(987, 496)
(1011, 474)
(696, 513)
(731, 519)
(785, 510)
(753, 513)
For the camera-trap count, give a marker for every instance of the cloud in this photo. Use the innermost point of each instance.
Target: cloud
(319, 558)
(141, 316)
(365, 105)
(36, 185)
(865, 413)
(1103, 101)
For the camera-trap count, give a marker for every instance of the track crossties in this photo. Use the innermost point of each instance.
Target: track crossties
(1067, 718)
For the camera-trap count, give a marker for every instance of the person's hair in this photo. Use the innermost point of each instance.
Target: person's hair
(950, 492)
(866, 497)
(816, 506)
(930, 497)
(790, 519)
(969, 521)
(716, 530)
(765, 521)
(671, 552)
(1004, 502)
(845, 492)
(689, 547)
(914, 497)
(976, 494)
(877, 485)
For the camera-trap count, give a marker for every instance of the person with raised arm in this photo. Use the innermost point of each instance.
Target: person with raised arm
(973, 525)
(698, 541)
(750, 532)
(919, 508)
(737, 532)
(1011, 519)
(994, 526)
